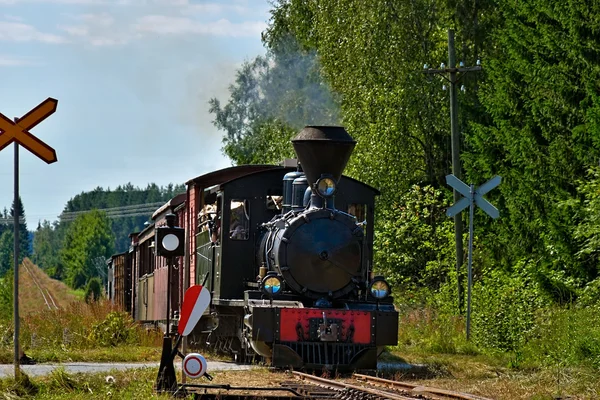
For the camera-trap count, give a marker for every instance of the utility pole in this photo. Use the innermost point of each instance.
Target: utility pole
(453, 75)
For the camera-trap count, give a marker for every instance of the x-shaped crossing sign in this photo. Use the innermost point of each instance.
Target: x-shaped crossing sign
(473, 195)
(19, 131)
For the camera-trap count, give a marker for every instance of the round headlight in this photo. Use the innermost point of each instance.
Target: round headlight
(271, 285)
(326, 187)
(380, 289)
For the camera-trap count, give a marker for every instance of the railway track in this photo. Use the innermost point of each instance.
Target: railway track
(313, 387)
(48, 299)
(379, 388)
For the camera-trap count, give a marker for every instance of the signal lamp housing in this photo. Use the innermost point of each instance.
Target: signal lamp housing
(170, 241)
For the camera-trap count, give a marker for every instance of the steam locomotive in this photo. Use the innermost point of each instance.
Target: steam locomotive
(286, 252)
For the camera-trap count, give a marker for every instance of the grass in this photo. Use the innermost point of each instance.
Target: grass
(558, 360)
(490, 377)
(131, 384)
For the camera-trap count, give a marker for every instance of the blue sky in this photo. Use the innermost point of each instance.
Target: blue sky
(132, 79)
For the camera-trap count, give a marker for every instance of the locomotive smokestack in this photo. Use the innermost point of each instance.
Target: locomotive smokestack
(323, 150)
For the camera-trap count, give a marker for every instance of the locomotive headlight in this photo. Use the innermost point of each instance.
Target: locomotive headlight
(271, 285)
(379, 288)
(326, 187)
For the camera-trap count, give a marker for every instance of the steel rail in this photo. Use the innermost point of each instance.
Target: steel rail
(346, 386)
(33, 278)
(419, 388)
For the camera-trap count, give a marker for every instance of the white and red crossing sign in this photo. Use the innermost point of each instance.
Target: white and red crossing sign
(19, 131)
(195, 302)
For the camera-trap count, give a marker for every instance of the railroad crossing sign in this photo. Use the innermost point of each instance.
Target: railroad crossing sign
(473, 196)
(19, 131)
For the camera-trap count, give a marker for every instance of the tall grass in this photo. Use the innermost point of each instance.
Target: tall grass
(560, 337)
(79, 326)
(426, 330)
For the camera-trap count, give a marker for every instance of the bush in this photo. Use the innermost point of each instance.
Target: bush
(414, 240)
(504, 308)
(565, 336)
(93, 290)
(117, 328)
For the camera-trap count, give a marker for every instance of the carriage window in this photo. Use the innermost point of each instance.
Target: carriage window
(239, 221)
(359, 211)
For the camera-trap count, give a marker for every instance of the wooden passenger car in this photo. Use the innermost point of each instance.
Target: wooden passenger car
(119, 288)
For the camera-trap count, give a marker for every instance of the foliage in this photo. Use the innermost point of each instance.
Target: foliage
(123, 195)
(504, 308)
(371, 54)
(7, 238)
(49, 238)
(88, 239)
(272, 98)
(565, 336)
(6, 295)
(414, 243)
(63, 333)
(114, 330)
(47, 243)
(6, 252)
(541, 94)
(93, 290)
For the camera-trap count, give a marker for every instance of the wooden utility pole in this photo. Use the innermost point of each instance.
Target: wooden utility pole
(453, 75)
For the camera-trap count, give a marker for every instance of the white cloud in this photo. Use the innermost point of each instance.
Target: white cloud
(17, 2)
(96, 29)
(161, 24)
(10, 61)
(21, 32)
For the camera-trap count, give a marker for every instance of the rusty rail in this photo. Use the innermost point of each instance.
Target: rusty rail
(419, 388)
(341, 386)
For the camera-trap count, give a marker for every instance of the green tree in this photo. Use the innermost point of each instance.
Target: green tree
(87, 239)
(47, 243)
(6, 252)
(24, 242)
(7, 238)
(272, 98)
(542, 95)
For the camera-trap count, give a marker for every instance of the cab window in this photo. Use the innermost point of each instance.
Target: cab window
(359, 211)
(239, 221)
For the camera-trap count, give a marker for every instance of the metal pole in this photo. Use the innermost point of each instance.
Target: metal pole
(16, 262)
(470, 265)
(169, 262)
(456, 170)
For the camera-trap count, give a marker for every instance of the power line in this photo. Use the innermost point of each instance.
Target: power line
(114, 216)
(134, 207)
(11, 220)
